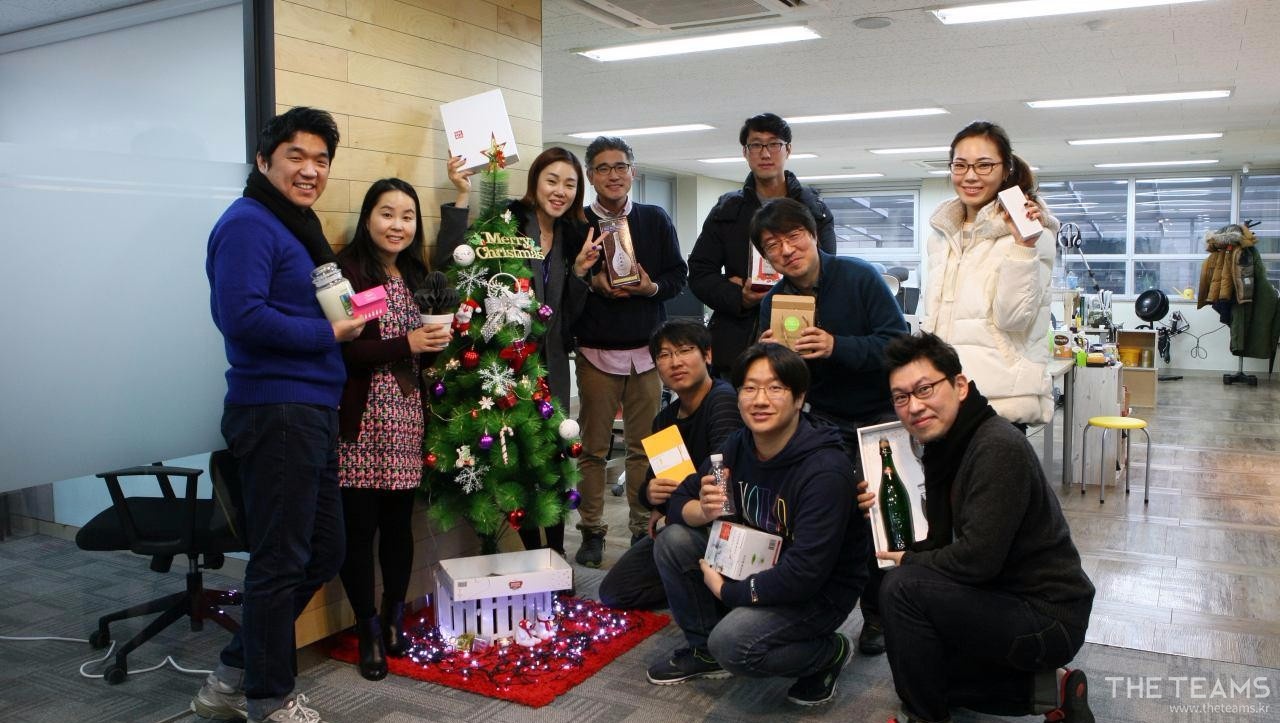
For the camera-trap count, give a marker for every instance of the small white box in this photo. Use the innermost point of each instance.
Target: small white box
(1015, 204)
(472, 123)
(909, 470)
(736, 551)
(488, 595)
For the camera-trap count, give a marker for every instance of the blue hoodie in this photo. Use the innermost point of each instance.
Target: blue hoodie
(805, 494)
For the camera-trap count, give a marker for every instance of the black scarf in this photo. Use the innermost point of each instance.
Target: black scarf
(301, 222)
(941, 459)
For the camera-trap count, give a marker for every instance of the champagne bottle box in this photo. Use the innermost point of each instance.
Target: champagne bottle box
(738, 551)
(907, 465)
(617, 252)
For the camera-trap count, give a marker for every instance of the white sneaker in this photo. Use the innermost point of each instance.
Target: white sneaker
(295, 711)
(218, 701)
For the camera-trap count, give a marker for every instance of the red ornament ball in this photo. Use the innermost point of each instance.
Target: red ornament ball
(430, 460)
(575, 450)
(515, 517)
(470, 359)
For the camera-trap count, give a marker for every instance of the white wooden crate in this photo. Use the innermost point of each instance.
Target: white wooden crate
(488, 595)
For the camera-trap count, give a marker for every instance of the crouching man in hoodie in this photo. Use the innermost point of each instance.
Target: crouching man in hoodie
(790, 479)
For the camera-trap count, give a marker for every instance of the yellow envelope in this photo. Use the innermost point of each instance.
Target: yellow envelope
(668, 456)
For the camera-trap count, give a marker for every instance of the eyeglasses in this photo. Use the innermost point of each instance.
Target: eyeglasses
(666, 356)
(921, 392)
(748, 392)
(774, 245)
(773, 146)
(982, 168)
(605, 169)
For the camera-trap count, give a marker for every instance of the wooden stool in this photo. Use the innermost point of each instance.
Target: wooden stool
(1125, 424)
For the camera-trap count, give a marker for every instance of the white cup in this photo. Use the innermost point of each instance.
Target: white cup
(437, 320)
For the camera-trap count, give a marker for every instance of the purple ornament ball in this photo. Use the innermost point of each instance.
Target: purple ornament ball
(545, 312)
(545, 409)
(486, 441)
(574, 499)
(438, 389)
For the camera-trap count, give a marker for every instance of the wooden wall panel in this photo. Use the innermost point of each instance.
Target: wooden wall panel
(383, 67)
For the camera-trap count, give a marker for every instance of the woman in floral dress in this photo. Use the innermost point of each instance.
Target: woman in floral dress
(381, 421)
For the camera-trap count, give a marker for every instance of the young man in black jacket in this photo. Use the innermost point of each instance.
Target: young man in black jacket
(986, 610)
(719, 266)
(612, 326)
(706, 413)
(790, 479)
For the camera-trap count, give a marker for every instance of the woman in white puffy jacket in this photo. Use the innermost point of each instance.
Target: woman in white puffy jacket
(987, 292)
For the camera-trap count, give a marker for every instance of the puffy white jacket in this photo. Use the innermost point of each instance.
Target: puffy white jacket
(988, 296)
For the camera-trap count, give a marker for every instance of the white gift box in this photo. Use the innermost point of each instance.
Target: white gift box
(737, 551)
(472, 123)
(488, 595)
(1015, 203)
(909, 470)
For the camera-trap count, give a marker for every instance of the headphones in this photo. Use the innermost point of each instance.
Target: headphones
(1069, 236)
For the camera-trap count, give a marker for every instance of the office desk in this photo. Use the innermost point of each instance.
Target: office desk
(1064, 369)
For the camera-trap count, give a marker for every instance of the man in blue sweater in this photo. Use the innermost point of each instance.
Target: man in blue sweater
(790, 479)
(612, 326)
(856, 317)
(280, 417)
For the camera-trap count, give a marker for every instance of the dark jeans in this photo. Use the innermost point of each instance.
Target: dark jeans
(293, 521)
(954, 645)
(389, 515)
(532, 538)
(634, 583)
(785, 641)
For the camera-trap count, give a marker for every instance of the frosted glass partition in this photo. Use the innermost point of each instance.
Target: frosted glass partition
(110, 356)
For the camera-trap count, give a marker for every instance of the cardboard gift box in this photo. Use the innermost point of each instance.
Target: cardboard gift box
(788, 316)
(370, 303)
(488, 595)
(737, 551)
(909, 471)
(617, 252)
(763, 276)
(472, 124)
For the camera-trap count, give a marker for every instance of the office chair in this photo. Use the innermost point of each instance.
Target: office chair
(162, 528)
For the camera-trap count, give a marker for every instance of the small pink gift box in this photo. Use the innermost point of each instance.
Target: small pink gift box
(370, 303)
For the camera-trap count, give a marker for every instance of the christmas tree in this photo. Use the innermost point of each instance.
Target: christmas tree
(498, 451)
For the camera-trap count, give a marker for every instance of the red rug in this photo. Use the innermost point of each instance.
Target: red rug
(590, 636)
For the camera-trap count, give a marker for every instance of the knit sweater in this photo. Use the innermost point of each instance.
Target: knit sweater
(1008, 530)
(854, 306)
(280, 346)
(627, 322)
(804, 494)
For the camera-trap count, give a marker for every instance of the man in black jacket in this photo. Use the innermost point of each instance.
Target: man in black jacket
(983, 613)
(612, 325)
(719, 267)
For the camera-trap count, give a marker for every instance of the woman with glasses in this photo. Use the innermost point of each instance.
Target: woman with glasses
(551, 214)
(987, 291)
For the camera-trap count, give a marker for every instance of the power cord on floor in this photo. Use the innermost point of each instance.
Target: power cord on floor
(168, 659)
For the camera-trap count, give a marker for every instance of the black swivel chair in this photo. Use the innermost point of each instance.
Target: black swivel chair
(162, 528)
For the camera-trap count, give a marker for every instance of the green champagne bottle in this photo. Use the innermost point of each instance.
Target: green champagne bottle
(895, 503)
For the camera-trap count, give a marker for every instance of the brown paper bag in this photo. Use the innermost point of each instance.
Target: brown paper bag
(789, 316)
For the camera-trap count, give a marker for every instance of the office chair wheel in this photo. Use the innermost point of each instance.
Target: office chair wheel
(115, 674)
(99, 639)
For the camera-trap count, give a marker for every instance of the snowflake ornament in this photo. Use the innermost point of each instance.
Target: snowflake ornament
(471, 280)
(486, 403)
(496, 379)
(471, 479)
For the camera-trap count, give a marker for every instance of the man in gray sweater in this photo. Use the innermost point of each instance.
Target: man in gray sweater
(986, 610)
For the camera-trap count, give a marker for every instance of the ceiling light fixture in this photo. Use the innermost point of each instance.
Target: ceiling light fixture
(1120, 99)
(987, 12)
(702, 43)
(868, 115)
(650, 131)
(1144, 139)
(905, 151)
(740, 159)
(1151, 164)
(840, 176)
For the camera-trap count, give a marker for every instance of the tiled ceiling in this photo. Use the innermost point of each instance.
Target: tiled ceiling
(985, 70)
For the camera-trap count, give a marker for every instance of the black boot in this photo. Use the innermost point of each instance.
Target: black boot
(373, 660)
(393, 637)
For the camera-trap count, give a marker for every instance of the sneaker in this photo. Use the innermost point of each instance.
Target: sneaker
(218, 701)
(591, 554)
(820, 687)
(871, 639)
(686, 664)
(295, 711)
(1075, 700)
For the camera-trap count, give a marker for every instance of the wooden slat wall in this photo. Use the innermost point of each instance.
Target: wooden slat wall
(383, 67)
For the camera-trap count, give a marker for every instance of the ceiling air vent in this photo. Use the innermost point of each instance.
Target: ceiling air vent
(681, 14)
(941, 164)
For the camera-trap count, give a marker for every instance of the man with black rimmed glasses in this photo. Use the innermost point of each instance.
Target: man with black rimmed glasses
(719, 266)
(856, 316)
(612, 326)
